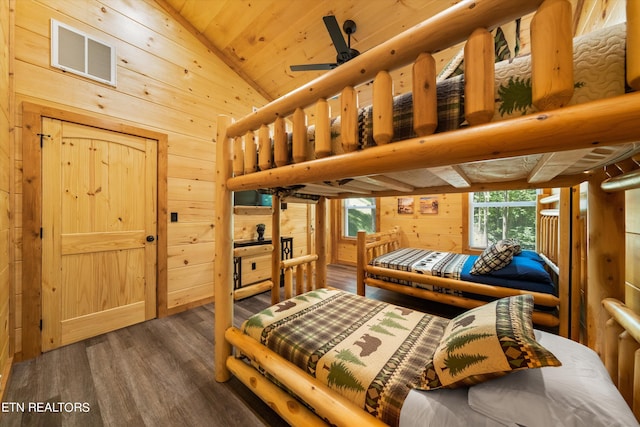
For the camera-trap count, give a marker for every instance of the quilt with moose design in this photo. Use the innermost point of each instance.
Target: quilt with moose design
(369, 351)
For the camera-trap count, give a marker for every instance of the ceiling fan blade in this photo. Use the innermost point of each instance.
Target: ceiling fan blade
(312, 67)
(336, 34)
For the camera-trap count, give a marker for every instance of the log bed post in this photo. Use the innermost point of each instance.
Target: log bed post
(633, 39)
(564, 260)
(361, 250)
(349, 119)
(578, 263)
(321, 243)
(425, 98)
(606, 255)
(552, 55)
(223, 277)
(479, 77)
(277, 249)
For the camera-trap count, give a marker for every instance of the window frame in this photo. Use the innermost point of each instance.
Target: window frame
(471, 205)
(343, 217)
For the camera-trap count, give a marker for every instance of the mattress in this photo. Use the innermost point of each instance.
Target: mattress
(525, 272)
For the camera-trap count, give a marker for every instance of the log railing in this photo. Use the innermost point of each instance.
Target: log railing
(371, 245)
(560, 241)
(548, 218)
(621, 353)
(302, 268)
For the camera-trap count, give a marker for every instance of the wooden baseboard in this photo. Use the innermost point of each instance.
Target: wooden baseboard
(185, 307)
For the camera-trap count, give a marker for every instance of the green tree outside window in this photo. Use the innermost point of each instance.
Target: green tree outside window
(359, 214)
(497, 215)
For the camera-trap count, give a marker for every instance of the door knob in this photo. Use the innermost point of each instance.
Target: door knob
(150, 238)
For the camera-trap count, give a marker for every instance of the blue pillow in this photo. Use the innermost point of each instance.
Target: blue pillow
(531, 254)
(524, 267)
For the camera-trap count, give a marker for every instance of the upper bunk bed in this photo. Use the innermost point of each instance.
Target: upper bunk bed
(573, 129)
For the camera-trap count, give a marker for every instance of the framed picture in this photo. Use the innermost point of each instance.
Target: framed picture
(405, 205)
(429, 205)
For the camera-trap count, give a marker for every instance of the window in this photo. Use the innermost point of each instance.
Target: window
(359, 214)
(496, 215)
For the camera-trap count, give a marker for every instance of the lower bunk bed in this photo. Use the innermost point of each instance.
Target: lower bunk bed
(354, 361)
(449, 278)
(467, 281)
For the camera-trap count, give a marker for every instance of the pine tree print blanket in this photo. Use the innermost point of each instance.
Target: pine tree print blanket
(371, 352)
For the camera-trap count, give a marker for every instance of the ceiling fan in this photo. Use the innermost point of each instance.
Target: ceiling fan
(345, 53)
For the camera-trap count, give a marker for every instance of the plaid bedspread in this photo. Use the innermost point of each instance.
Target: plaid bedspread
(369, 351)
(423, 261)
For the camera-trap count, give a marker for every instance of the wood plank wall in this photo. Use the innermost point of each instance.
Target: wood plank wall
(443, 231)
(5, 200)
(168, 82)
(293, 223)
(632, 253)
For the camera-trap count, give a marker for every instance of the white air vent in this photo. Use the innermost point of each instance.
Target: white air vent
(79, 53)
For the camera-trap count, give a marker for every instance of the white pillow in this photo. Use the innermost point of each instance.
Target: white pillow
(578, 393)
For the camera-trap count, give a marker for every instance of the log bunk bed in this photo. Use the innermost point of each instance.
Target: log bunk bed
(557, 143)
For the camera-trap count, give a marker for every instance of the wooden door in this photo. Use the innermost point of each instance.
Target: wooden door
(99, 191)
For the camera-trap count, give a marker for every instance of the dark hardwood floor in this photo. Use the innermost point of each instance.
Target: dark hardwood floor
(157, 373)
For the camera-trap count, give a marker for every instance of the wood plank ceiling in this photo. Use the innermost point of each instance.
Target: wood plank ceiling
(261, 38)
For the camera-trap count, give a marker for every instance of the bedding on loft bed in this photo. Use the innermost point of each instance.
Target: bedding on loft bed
(599, 61)
(409, 368)
(525, 272)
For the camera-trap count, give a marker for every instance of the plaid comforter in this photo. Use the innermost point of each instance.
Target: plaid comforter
(423, 261)
(369, 351)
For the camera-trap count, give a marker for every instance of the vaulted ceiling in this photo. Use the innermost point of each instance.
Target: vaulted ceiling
(260, 39)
